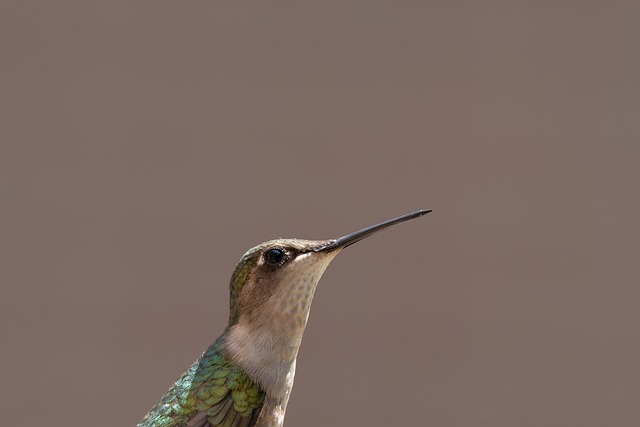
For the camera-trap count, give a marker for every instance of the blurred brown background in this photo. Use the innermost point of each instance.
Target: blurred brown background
(146, 145)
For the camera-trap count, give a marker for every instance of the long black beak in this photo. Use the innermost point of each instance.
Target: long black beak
(352, 238)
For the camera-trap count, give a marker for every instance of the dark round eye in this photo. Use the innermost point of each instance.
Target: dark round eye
(273, 256)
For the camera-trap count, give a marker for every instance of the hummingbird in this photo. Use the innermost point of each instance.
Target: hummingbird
(244, 378)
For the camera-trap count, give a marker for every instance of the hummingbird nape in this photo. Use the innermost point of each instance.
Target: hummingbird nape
(245, 377)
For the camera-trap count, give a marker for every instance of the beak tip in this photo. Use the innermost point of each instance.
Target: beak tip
(422, 212)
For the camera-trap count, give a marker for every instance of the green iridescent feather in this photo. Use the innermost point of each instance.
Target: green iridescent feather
(215, 391)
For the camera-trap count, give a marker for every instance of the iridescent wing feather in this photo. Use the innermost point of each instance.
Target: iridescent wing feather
(214, 392)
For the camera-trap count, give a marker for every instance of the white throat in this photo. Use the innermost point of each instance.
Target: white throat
(268, 360)
(269, 363)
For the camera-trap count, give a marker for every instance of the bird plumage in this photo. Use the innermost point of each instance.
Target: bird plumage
(214, 391)
(245, 377)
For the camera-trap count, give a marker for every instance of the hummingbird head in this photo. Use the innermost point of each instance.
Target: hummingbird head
(272, 289)
(274, 283)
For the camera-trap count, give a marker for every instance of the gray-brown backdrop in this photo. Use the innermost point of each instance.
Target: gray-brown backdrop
(146, 145)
